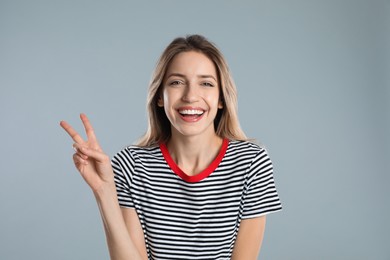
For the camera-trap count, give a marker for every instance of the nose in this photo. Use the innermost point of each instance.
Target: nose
(190, 94)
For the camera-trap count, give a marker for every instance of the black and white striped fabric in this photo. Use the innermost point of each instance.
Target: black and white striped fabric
(195, 217)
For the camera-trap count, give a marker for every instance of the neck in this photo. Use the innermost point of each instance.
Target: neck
(194, 154)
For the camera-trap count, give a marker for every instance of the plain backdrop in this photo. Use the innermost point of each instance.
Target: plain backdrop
(313, 83)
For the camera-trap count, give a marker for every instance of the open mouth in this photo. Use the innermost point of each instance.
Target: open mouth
(191, 114)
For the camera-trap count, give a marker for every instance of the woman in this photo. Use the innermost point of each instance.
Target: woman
(193, 187)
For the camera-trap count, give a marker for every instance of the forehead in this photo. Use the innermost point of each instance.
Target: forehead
(192, 63)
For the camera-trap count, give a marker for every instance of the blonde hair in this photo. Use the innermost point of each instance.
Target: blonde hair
(226, 122)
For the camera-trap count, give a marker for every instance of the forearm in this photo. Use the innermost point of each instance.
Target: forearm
(249, 239)
(120, 245)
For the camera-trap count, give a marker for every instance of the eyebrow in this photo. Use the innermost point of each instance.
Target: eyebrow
(199, 76)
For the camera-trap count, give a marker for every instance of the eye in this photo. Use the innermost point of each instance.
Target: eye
(175, 83)
(207, 84)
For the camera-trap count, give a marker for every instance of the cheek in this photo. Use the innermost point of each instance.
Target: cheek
(213, 100)
(165, 97)
(169, 99)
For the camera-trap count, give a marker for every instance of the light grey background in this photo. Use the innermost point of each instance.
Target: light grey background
(313, 81)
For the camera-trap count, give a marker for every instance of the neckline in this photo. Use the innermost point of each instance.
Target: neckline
(203, 174)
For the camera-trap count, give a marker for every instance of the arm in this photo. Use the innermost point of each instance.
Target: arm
(95, 167)
(120, 228)
(135, 230)
(249, 239)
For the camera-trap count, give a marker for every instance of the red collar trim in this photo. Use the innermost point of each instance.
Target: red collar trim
(200, 176)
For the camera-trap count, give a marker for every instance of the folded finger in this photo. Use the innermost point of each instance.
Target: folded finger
(78, 160)
(95, 154)
(78, 148)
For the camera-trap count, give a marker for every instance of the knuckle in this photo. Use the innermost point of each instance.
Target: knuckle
(105, 158)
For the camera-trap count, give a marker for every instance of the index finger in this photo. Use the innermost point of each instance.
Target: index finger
(71, 132)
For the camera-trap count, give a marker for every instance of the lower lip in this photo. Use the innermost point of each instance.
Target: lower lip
(191, 119)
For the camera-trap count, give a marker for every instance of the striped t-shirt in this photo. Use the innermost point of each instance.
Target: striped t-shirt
(195, 217)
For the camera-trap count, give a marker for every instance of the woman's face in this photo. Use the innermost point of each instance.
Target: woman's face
(190, 94)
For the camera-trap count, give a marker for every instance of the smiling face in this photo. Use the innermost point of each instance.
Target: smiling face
(190, 94)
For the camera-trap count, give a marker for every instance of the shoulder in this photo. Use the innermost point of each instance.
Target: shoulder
(130, 158)
(133, 152)
(239, 147)
(142, 149)
(250, 153)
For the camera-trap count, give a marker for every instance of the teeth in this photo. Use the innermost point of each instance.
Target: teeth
(191, 112)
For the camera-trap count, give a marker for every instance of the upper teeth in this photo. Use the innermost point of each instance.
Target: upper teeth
(191, 112)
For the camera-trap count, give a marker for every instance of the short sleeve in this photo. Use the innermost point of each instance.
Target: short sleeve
(123, 167)
(260, 195)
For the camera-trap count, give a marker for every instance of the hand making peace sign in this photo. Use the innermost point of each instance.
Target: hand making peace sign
(89, 159)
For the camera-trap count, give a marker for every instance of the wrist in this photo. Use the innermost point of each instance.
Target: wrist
(105, 191)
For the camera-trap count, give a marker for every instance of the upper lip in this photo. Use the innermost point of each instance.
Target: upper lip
(190, 108)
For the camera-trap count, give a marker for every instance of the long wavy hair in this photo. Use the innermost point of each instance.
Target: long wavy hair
(226, 123)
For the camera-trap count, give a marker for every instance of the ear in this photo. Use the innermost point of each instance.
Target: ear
(220, 104)
(160, 102)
